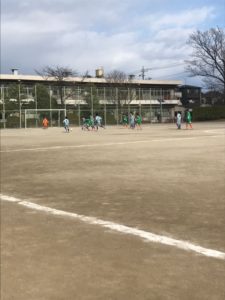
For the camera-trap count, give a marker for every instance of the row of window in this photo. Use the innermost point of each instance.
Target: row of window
(80, 93)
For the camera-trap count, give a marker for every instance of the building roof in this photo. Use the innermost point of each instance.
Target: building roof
(35, 78)
(189, 87)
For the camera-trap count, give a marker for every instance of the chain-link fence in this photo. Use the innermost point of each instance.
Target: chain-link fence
(110, 116)
(111, 103)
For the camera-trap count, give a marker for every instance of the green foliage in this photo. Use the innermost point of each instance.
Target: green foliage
(13, 122)
(110, 117)
(43, 98)
(11, 97)
(18, 94)
(208, 113)
(92, 99)
(73, 117)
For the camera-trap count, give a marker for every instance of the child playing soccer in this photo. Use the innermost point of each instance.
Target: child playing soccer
(83, 123)
(66, 124)
(45, 123)
(178, 120)
(188, 120)
(132, 121)
(98, 121)
(91, 122)
(125, 121)
(138, 121)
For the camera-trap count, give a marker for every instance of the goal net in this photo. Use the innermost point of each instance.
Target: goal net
(34, 117)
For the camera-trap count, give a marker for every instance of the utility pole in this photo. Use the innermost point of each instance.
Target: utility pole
(143, 71)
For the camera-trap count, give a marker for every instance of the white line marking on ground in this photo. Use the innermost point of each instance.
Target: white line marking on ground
(147, 236)
(97, 145)
(215, 136)
(216, 131)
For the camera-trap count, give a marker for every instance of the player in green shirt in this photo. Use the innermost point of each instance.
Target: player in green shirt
(91, 122)
(138, 121)
(125, 120)
(188, 119)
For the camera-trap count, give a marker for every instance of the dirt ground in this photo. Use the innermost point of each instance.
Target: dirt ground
(161, 180)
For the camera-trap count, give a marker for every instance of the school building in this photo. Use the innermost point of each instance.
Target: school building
(156, 100)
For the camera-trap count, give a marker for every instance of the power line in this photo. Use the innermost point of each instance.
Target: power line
(172, 75)
(144, 70)
(164, 67)
(167, 67)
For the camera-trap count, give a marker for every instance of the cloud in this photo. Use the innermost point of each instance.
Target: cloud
(183, 19)
(85, 34)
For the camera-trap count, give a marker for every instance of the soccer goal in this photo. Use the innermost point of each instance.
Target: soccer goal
(34, 117)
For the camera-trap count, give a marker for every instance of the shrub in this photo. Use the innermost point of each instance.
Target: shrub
(208, 113)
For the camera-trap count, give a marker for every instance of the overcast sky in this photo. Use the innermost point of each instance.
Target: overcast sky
(115, 34)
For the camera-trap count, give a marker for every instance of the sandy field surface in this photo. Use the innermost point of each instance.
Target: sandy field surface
(82, 203)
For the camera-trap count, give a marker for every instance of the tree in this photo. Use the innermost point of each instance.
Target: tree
(59, 74)
(208, 57)
(90, 95)
(121, 93)
(43, 97)
(117, 77)
(11, 97)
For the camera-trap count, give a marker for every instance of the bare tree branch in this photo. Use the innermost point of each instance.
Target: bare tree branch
(208, 56)
(59, 74)
(122, 93)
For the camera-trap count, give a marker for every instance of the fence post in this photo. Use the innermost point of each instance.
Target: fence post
(92, 104)
(117, 107)
(161, 111)
(140, 100)
(36, 106)
(59, 117)
(3, 103)
(50, 104)
(77, 103)
(150, 101)
(19, 103)
(79, 114)
(25, 111)
(104, 107)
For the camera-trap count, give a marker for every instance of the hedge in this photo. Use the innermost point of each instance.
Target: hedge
(208, 113)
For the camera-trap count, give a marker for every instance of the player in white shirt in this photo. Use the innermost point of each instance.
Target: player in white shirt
(98, 121)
